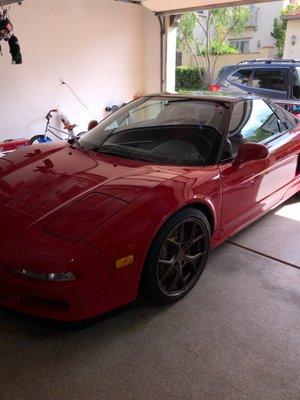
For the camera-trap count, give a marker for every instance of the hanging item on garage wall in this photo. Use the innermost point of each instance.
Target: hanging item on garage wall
(6, 34)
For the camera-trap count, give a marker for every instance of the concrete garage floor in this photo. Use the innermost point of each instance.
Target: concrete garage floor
(236, 336)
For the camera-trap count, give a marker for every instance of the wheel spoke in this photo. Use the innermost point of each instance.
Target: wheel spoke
(193, 240)
(181, 233)
(194, 264)
(197, 239)
(182, 278)
(194, 257)
(173, 241)
(173, 284)
(193, 233)
(167, 262)
(167, 273)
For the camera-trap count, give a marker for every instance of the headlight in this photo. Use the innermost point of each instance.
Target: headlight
(84, 216)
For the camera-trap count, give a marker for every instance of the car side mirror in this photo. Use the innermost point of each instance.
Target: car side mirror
(250, 152)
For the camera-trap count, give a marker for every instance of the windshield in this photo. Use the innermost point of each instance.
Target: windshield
(164, 130)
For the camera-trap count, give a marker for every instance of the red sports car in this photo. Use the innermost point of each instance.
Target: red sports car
(143, 197)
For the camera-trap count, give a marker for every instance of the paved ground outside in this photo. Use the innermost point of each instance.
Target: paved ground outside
(236, 336)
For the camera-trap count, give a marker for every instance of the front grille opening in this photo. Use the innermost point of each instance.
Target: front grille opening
(50, 304)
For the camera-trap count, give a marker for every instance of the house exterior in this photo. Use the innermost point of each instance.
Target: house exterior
(292, 40)
(257, 34)
(255, 41)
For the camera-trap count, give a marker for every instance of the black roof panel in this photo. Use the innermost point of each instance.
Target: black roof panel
(206, 95)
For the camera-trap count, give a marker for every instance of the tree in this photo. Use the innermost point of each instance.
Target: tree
(216, 28)
(279, 28)
(279, 32)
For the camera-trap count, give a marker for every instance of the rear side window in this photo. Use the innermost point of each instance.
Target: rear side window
(272, 79)
(241, 76)
(286, 118)
(296, 83)
(222, 71)
(252, 121)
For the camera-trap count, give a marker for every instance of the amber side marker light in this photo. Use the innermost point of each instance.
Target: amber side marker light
(124, 261)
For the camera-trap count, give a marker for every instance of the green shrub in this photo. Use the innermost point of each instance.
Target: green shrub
(219, 49)
(188, 78)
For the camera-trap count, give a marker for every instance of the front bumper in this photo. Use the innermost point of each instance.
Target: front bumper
(25, 246)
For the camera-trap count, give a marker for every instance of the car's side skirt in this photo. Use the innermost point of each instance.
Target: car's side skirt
(284, 194)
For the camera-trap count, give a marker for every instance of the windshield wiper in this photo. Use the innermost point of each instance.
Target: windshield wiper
(117, 151)
(75, 142)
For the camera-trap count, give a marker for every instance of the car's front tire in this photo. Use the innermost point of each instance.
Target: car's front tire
(177, 256)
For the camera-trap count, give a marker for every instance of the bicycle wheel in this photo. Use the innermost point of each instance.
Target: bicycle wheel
(40, 139)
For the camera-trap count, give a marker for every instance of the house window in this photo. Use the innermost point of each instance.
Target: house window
(242, 45)
(253, 18)
(178, 58)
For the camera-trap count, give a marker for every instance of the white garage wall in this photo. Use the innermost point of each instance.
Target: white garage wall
(96, 46)
(151, 43)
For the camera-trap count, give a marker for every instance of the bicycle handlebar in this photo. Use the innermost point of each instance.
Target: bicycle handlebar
(49, 115)
(67, 125)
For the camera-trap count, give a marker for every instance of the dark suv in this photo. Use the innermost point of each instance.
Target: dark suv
(275, 79)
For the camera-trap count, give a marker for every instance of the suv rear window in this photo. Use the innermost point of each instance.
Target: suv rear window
(296, 83)
(241, 76)
(272, 79)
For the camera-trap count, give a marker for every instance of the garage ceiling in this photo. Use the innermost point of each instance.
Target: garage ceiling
(177, 6)
(7, 2)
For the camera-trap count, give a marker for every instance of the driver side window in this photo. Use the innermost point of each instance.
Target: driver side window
(251, 121)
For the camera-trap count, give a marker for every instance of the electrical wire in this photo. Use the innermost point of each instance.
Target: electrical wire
(79, 99)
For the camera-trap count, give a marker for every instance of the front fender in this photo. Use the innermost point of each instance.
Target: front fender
(132, 230)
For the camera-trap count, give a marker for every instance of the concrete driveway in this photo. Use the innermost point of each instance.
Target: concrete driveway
(236, 336)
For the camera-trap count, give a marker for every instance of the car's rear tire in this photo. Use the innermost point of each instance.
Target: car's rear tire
(177, 256)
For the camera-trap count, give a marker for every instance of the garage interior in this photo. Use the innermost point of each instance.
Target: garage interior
(237, 334)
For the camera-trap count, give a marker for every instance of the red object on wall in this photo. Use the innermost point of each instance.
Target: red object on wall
(11, 144)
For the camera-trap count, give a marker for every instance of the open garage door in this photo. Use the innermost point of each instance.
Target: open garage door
(168, 12)
(166, 7)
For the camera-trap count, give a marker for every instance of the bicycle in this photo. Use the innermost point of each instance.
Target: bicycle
(67, 126)
(54, 131)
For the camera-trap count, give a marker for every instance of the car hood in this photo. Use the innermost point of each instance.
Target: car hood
(37, 181)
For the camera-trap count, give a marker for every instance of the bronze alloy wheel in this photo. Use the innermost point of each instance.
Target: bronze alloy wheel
(182, 257)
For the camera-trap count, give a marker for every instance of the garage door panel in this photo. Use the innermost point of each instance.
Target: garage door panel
(177, 5)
